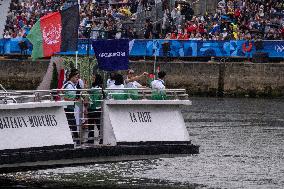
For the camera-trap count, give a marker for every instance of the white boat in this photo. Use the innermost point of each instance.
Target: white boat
(35, 132)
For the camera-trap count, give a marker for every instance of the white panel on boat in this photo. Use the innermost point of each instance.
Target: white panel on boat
(36, 124)
(136, 121)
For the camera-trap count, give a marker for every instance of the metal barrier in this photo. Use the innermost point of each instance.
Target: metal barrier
(85, 117)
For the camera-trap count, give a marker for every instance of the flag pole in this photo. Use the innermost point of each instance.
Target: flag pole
(76, 62)
(155, 62)
(155, 57)
(89, 30)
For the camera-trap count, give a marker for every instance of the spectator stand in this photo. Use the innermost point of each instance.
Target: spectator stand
(233, 22)
(233, 19)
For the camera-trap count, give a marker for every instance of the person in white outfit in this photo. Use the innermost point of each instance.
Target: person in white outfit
(111, 79)
(131, 80)
(70, 95)
(159, 83)
(118, 83)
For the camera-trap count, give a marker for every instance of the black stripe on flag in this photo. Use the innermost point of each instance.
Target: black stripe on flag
(70, 20)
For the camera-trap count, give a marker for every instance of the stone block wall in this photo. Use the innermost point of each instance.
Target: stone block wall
(232, 79)
(22, 74)
(239, 79)
(255, 79)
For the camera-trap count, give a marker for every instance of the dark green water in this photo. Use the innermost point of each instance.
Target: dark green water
(241, 146)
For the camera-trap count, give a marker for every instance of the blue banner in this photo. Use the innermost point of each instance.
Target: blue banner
(112, 55)
(198, 48)
(172, 48)
(11, 46)
(192, 48)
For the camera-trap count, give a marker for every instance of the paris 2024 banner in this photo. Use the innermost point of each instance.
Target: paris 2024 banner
(174, 48)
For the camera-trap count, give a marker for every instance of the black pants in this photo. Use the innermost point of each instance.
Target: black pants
(94, 117)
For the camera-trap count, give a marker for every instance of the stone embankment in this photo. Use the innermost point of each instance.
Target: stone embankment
(229, 79)
(202, 79)
(22, 74)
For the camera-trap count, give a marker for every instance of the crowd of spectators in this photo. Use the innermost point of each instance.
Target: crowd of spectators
(107, 19)
(233, 19)
(100, 15)
(24, 13)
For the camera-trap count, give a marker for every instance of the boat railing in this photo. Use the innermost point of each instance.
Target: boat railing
(140, 94)
(6, 96)
(85, 116)
(2, 88)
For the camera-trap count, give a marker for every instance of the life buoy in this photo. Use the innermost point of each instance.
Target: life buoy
(247, 48)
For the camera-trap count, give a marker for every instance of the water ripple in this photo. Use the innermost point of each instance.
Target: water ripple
(241, 146)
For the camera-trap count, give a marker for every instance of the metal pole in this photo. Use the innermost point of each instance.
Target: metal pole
(155, 56)
(155, 62)
(88, 32)
(89, 60)
(76, 60)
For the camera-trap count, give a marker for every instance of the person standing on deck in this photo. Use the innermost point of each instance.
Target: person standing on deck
(131, 80)
(94, 111)
(159, 83)
(158, 87)
(111, 79)
(118, 83)
(78, 108)
(71, 95)
(119, 86)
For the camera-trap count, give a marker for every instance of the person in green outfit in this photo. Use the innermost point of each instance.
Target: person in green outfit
(94, 111)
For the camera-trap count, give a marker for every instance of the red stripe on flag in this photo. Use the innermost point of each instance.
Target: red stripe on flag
(51, 27)
(60, 79)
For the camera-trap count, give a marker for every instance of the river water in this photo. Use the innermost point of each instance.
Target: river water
(241, 146)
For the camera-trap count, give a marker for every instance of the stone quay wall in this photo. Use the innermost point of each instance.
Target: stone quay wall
(201, 79)
(229, 79)
(22, 74)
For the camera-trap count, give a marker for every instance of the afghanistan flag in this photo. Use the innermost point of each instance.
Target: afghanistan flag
(55, 32)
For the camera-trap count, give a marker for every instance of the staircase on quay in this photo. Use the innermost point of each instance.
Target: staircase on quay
(4, 8)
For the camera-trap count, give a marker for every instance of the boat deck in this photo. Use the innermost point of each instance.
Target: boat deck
(90, 148)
